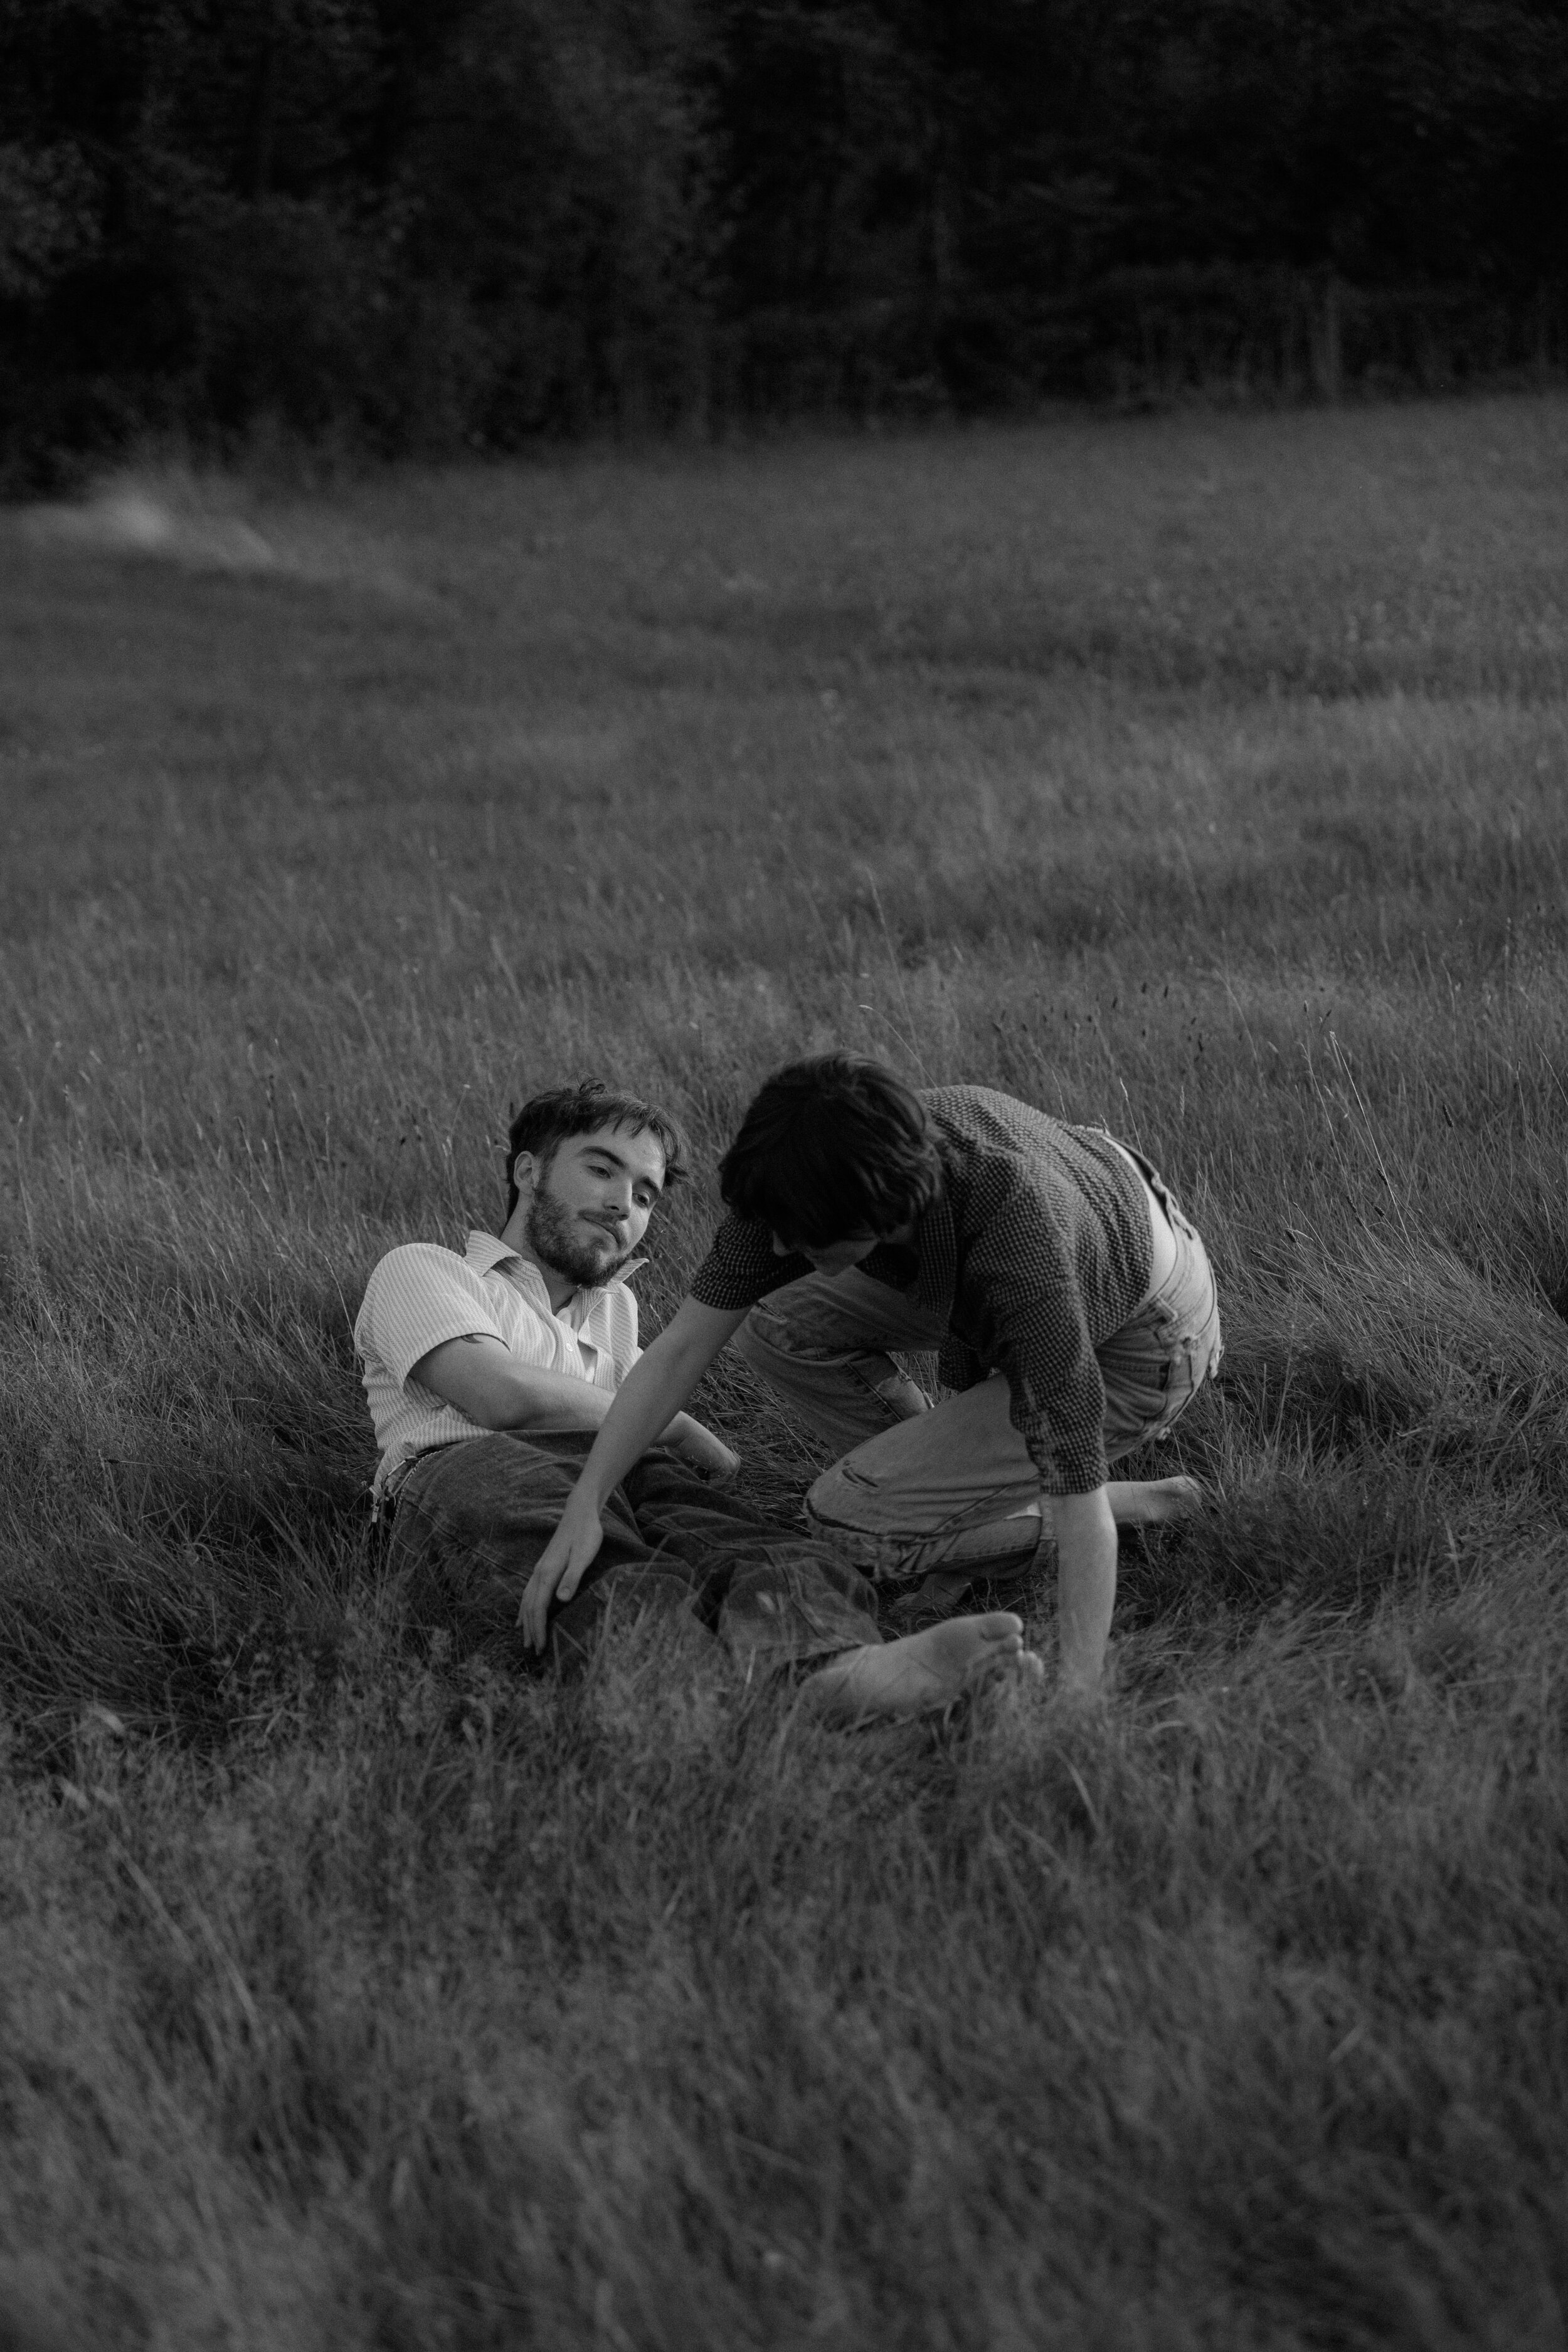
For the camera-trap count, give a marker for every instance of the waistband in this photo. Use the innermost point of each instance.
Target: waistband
(1159, 1191)
(1150, 1175)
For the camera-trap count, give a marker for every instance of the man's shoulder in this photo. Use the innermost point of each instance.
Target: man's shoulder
(415, 1270)
(978, 1102)
(981, 1121)
(420, 1260)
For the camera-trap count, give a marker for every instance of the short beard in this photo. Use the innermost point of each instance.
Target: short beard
(547, 1229)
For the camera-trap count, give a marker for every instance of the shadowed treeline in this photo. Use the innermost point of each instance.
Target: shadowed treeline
(379, 224)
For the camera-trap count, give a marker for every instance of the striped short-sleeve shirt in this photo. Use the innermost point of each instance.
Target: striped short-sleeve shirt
(421, 1294)
(1036, 1249)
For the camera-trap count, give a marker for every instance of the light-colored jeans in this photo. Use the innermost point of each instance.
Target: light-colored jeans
(951, 1486)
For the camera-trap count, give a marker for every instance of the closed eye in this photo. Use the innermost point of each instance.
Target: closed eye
(644, 1195)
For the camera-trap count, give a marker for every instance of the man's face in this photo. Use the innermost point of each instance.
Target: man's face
(591, 1206)
(829, 1258)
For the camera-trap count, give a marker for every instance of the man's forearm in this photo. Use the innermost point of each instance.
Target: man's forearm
(650, 1398)
(646, 1406)
(484, 1380)
(1086, 1583)
(654, 1392)
(554, 1401)
(533, 1399)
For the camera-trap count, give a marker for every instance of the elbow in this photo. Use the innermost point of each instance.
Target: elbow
(1088, 1504)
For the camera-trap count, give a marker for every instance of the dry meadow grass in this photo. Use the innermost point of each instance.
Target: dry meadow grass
(1208, 778)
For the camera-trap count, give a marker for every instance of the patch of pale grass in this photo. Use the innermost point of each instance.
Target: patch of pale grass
(206, 524)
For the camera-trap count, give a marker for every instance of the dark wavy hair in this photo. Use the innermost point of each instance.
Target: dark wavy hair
(547, 1120)
(829, 1147)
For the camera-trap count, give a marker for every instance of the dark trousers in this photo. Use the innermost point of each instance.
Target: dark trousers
(472, 1519)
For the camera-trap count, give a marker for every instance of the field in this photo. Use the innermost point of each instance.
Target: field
(1206, 777)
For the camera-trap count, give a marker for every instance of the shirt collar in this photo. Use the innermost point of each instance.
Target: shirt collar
(489, 1253)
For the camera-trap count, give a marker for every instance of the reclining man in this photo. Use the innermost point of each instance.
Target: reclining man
(1070, 1300)
(486, 1377)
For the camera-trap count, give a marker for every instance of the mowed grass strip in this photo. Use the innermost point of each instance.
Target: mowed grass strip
(1210, 780)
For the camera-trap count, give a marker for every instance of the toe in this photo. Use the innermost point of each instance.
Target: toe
(1001, 1625)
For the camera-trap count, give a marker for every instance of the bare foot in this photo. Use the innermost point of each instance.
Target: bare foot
(923, 1672)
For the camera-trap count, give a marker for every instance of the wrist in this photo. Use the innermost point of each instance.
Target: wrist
(1076, 1673)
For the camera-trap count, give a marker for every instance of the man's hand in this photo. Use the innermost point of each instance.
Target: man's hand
(645, 1407)
(570, 1553)
(698, 1447)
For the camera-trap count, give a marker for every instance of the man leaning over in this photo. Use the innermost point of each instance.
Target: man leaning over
(487, 1376)
(1071, 1302)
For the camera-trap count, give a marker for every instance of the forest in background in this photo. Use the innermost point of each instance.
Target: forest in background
(416, 226)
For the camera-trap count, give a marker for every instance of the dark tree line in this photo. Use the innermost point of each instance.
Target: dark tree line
(421, 224)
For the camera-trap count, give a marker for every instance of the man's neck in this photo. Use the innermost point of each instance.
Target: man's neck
(560, 1288)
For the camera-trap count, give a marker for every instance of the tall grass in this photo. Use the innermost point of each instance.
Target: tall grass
(1209, 780)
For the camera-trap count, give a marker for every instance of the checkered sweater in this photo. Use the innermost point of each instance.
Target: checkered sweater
(1036, 1249)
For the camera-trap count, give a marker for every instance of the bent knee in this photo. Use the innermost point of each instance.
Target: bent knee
(834, 1513)
(840, 1499)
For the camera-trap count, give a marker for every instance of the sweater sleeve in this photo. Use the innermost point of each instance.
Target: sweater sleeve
(742, 1267)
(1027, 1319)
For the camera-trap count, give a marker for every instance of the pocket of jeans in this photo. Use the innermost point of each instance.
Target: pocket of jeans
(1179, 1393)
(776, 1330)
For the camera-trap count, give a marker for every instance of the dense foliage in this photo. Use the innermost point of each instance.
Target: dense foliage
(424, 225)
